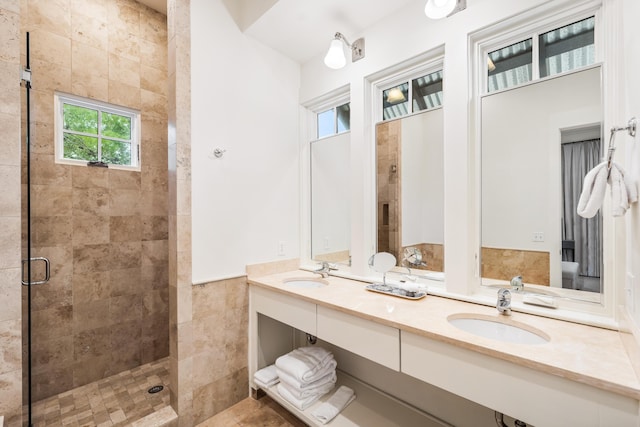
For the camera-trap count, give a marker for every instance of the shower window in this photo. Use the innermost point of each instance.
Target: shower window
(334, 120)
(560, 50)
(92, 132)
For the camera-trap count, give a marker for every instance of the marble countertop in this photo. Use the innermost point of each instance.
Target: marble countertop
(586, 354)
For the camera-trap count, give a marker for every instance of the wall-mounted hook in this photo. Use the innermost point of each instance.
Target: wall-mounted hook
(218, 152)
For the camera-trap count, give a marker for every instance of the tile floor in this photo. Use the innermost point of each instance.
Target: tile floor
(123, 399)
(250, 412)
(115, 401)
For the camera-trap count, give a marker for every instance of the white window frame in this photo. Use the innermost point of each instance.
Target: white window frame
(532, 31)
(429, 64)
(60, 99)
(427, 70)
(333, 105)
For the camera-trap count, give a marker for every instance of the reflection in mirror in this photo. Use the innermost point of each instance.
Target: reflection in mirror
(330, 199)
(410, 189)
(538, 143)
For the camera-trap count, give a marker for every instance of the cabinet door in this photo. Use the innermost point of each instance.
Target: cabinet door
(376, 342)
(292, 311)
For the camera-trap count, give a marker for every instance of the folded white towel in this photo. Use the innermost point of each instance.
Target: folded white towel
(301, 404)
(321, 390)
(295, 383)
(307, 364)
(623, 191)
(266, 377)
(336, 403)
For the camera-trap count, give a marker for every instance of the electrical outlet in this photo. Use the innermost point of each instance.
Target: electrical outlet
(538, 236)
(281, 248)
(326, 243)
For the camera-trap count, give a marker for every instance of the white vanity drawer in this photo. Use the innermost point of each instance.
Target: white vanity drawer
(376, 342)
(292, 311)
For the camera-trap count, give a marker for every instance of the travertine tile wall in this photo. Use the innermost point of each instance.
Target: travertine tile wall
(388, 136)
(106, 308)
(220, 325)
(10, 288)
(180, 289)
(504, 264)
(208, 323)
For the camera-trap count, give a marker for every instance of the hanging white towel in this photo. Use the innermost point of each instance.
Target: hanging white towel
(623, 191)
(266, 377)
(307, 364)
(336, 403)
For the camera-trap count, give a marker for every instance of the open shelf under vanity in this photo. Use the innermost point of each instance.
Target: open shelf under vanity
(371, 407)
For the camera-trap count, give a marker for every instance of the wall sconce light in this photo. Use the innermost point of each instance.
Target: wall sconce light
(437, 9)
(335, 55)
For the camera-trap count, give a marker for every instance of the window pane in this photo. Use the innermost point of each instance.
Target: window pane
(80, 147)
(395, 101)
(80, 119)
(116, 152)
(116, 126)
(427, 91)
(510, 66)
(344, 117)
(326, 123)
(567, 48)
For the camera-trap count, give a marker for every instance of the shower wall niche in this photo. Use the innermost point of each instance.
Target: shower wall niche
(105, 231)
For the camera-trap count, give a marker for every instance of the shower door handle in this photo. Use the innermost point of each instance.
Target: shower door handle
(47, 271)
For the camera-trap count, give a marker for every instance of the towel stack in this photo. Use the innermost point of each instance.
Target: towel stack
(266, 377)
(306, 374)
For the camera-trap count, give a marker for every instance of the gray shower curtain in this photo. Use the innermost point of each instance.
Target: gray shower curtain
(577, 159)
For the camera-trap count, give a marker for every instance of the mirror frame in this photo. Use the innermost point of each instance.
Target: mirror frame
(609, 57)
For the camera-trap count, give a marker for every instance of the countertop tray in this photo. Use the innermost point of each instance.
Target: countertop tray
(395, 291)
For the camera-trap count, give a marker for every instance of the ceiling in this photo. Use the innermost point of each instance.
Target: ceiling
(303, 29)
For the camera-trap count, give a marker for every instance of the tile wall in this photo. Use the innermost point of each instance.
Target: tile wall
(10, 288)
(388, 136)
(105, 231)
(504, 264)
(209, 322)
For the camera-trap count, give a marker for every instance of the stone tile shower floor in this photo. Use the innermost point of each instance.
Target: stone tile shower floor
(118, 400)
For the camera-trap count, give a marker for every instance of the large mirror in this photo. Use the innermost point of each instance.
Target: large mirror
(410, 190)
(330, 199)
(538, 142)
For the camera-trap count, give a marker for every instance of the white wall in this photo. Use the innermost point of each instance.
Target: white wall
(631, 15)
(422, 179)
(244, 100)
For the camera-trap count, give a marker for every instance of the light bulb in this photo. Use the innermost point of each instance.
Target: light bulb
(436, 9)
(335, 55)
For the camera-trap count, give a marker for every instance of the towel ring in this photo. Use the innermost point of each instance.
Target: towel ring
(631, 130)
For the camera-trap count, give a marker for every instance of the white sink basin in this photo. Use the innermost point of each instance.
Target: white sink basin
(504, 330)
(305, 282)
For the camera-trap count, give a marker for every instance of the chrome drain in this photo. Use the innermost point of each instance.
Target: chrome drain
(155, 389)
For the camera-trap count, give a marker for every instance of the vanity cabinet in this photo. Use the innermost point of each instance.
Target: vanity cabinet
(512, 387)
(376, 342)
(289, 310)
(538, 398)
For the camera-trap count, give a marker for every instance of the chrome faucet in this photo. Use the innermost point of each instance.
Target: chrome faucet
(516, 284)
(504, 302)
(324, 269)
